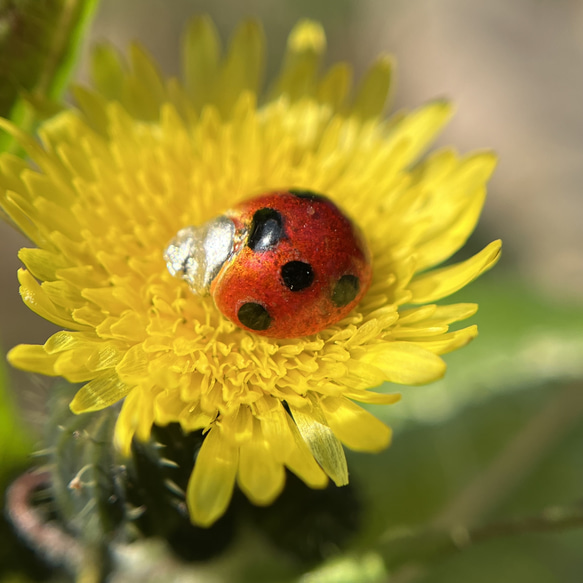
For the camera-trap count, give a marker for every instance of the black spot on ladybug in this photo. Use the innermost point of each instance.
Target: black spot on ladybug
(309, 195)
(254, 316)
(345, 290)
(266, 230)
(297, 275)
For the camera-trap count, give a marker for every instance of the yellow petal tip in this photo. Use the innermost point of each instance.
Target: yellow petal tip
(307, 35)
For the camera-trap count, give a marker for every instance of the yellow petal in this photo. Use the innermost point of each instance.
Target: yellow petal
(63, 294)
(93, 106)
(261, 476)
(243, 67)
(454, 312)
(11, 168)
(33, 358)
(135, 419)
(145, 411)
(200, 57)
(211, 484)
(453, 223)
(240, 427)
(125, 427)
(19, 215)
(372, 397)
(144, 91)
(107, 72)
(437, 314)
(41, 263)
(106, 299)
(443, 244)
(322, 442)
(82, 276)
(134, 365)
(419, 330)
(443, 282)
(306, 35)
(80, 355)
(301, 461)
(41, 186)
(334, 86)
(305, 46)
(356, 428)
(448, 342)
(405, 363)
(365, 333)
(415, 315)
(362, 375)
(47, 163)
(101, 392)
(56, 218)
(419, 128)
(130, 327)
(38, 301)
(275, 427)
(374, 90)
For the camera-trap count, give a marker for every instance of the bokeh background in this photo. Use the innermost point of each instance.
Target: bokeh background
(515, 72)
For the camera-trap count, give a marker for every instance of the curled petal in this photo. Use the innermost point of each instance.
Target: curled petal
(443, 282)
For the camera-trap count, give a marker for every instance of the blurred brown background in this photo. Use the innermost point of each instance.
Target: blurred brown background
(514, 69)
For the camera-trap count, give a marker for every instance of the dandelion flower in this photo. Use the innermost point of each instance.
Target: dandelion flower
(112, 181)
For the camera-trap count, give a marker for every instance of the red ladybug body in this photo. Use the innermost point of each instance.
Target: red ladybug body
(296, 264)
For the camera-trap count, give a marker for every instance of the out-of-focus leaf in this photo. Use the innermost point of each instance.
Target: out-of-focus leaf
(15, 442)
(429, 465)
(17, 563)
(38, 45)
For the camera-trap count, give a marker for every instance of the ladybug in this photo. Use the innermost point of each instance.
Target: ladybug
(284, 264)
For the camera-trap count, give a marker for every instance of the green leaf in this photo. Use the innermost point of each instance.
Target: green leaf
(39, 40)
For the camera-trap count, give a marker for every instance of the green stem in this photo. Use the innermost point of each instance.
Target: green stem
(44, 80)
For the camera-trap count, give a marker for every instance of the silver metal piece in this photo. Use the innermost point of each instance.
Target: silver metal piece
(197, 254)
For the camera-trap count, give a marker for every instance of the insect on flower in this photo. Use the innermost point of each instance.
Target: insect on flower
(284, 265)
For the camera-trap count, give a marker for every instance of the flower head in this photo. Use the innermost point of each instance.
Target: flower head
(112, 182)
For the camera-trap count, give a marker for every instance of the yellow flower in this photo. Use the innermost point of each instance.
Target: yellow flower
(113, 181)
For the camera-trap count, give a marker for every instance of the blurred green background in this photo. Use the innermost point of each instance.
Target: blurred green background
(502, 435)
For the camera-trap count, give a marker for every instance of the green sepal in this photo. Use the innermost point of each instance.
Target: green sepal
(85, 474)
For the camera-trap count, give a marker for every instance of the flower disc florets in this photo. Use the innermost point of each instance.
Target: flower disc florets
(114, 180)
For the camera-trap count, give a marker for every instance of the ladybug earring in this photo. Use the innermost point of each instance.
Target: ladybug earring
(284, 264)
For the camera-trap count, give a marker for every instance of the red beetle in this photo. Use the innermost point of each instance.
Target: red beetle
(284, 264)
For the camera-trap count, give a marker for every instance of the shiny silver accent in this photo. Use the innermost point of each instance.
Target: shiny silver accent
(197, 254)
